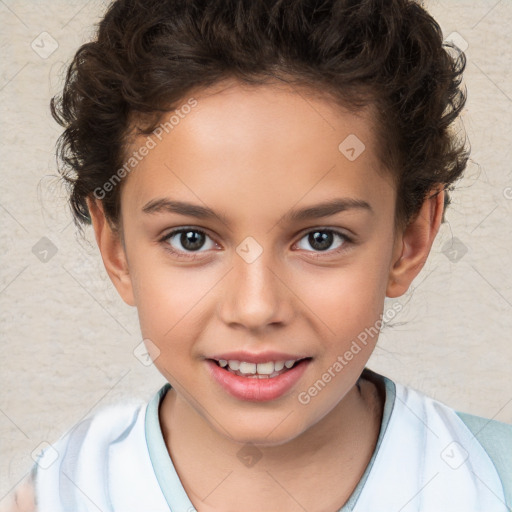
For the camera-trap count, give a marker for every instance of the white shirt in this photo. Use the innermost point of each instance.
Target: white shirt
(426, 459)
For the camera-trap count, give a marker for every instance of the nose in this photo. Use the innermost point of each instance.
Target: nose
(255, 294)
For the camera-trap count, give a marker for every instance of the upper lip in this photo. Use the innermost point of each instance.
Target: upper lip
(261, 357)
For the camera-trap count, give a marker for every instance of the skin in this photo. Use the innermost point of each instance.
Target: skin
(21, 499)
(252, 155)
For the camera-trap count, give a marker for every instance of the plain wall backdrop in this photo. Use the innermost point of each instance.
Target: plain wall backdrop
(67, 338)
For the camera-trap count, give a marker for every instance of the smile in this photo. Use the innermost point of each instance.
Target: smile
(266, 370)
(244, 381)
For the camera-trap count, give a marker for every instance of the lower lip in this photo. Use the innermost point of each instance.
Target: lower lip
(256, 389)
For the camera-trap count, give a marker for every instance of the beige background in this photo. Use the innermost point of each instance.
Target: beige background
(67, 339)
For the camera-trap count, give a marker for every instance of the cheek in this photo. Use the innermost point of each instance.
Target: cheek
(350, 296)
(170, 301)
(348, 304)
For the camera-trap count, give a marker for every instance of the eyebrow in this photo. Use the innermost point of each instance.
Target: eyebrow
(325, 209)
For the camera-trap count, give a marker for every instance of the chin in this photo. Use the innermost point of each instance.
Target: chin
(263, 434)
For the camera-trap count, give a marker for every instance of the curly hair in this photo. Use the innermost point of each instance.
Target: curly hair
(387, 55)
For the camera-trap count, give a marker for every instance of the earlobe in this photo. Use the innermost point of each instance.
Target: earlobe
(412, 247)
(112, 251)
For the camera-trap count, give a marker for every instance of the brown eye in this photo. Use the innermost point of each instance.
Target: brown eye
(186, 240)
(322, 240)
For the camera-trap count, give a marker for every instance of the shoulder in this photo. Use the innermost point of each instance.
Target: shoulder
(79, 455)
(471, 456)
(483, 446)
(82, 458)
(94, 432)
(496, 439)
(488, 431)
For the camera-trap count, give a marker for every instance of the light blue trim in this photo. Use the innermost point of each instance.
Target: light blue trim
(496, 439)
(168, 479)
(170, 483)
(389, 403)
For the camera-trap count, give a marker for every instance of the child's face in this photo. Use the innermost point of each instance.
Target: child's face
(254, 156)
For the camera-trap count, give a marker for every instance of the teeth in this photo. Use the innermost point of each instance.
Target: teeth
(234, 365)
(278, 366)
(264, 369)
(246, 368)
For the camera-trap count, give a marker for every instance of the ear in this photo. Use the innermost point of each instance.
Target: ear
(412, 247)
(112, 251)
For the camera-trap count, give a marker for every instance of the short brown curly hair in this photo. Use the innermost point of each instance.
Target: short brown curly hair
(148, 55)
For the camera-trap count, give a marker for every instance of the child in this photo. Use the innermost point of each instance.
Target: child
(307, 147)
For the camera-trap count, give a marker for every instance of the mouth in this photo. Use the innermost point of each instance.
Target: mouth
(263, 381)
(265, 370)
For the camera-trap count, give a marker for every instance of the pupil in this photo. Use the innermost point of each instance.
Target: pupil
(320, 240)
(192, 240)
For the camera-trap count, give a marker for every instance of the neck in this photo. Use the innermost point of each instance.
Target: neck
(322, 465)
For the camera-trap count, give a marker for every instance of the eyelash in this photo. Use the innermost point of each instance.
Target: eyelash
(320, 254)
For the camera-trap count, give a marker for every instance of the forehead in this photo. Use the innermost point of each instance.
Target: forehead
(255, 145)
